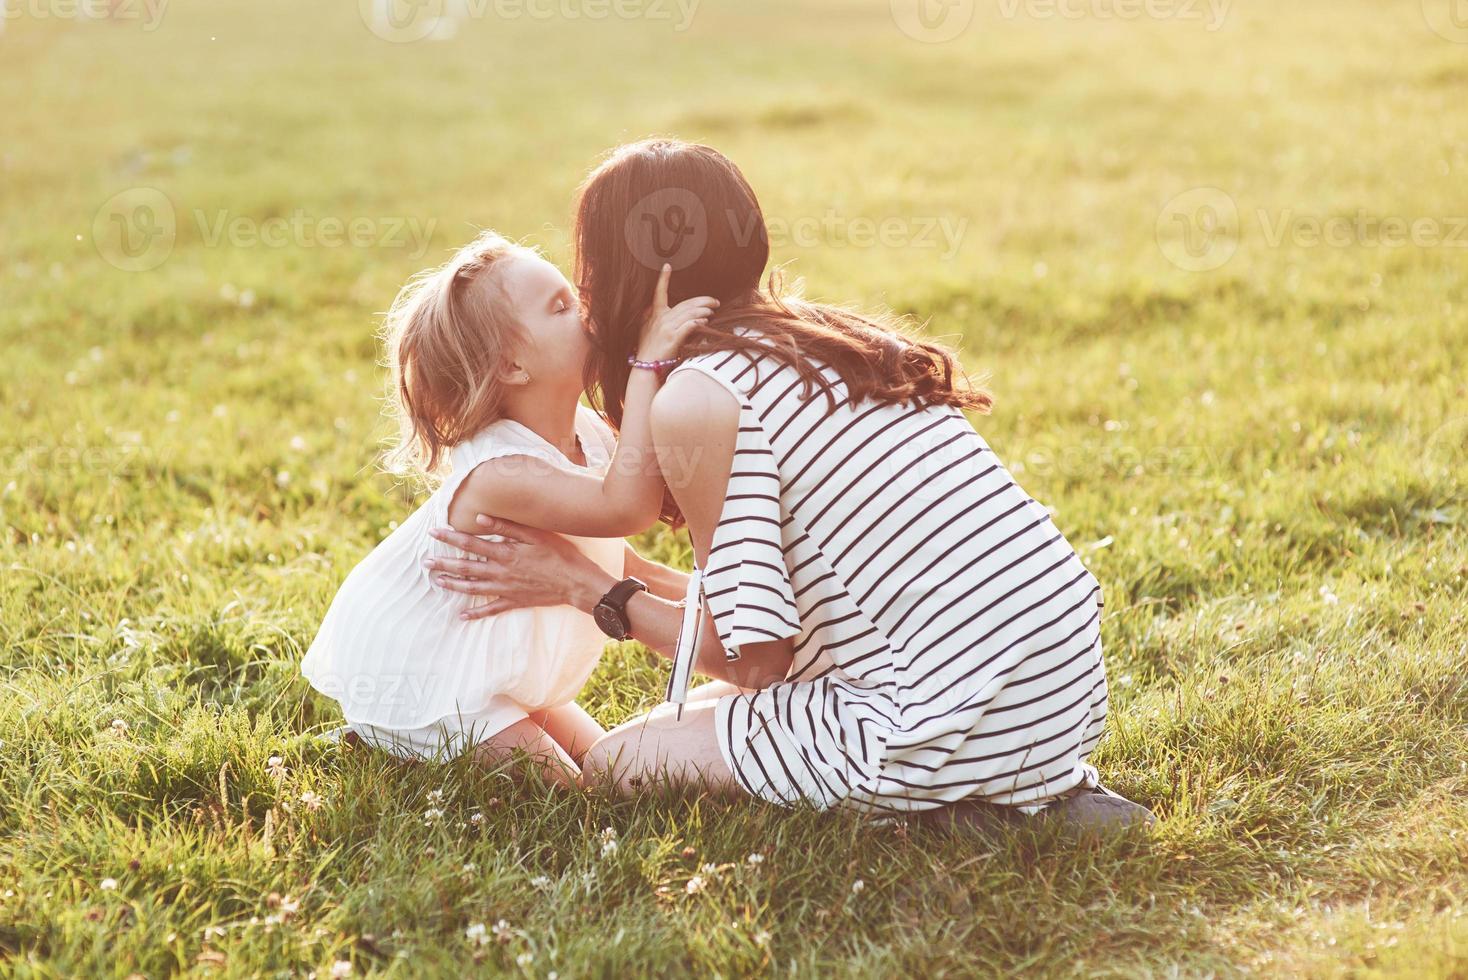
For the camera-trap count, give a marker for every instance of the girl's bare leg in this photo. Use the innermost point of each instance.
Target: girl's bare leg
(528, 736)
(658, 747)
(573, 729)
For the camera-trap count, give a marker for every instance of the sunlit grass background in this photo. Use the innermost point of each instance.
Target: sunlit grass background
(1257, 442)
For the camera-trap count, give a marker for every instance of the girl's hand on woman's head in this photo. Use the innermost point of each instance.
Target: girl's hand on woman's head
(530, 567)
(665, 328)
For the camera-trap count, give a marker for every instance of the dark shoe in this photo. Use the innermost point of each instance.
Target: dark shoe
(971, 815)
(1098, 810)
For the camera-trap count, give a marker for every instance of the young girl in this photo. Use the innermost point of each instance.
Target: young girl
(487, 354)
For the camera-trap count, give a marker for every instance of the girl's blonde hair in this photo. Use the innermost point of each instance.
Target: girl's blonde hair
(450, 337)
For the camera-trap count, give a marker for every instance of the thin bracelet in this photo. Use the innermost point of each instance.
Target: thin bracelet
(658, 366)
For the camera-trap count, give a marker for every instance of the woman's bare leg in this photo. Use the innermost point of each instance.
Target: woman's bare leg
(526, 735)
(658, 747)
(714, 690)
(573, 729)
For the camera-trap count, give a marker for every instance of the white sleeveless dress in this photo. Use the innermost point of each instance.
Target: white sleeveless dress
(413, 677)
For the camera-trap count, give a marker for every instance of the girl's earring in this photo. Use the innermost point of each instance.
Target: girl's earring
(520, 377)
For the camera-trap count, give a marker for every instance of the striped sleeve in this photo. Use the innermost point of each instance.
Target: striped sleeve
(746, 583)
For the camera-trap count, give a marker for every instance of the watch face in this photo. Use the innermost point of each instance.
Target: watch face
(609, 621)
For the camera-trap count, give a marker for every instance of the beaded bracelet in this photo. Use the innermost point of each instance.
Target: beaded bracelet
(658, 366)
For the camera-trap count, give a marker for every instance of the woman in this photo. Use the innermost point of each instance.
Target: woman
(898, 625)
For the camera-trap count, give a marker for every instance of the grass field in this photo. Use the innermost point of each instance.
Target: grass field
(1214, 269)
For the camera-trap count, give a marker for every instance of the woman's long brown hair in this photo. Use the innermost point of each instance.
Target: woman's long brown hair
(688, 205)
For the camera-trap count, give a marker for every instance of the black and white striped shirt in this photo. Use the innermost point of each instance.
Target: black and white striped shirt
(947, 638)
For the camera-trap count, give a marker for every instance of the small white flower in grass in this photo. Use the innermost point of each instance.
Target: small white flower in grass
(470, 868)
(1328, 597)
(312, 801)
(756, 859)
(857, 886)
(710, 869)
(762, 938)
(695, 885)
(119, 726)
(108, 884)
(476, 818)
(525, 959)
(435, 796)
(477, 934)
(607, 833)
(432, 815)
(608, 848)
(540, 881)
(283, 479)
(502, 931)
(341, 968)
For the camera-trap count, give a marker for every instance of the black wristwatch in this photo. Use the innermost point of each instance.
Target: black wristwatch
(611, 612)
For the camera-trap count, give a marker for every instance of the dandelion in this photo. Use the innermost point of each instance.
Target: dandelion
(525, 959)
(502, 931)
(477, 934)
(695, 885)
(432, 815)
(540, 881)
(857, 886)
(341, 968)
(108, 884)
(312, 801)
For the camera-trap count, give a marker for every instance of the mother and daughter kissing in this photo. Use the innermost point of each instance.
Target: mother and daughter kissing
(892, 623)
